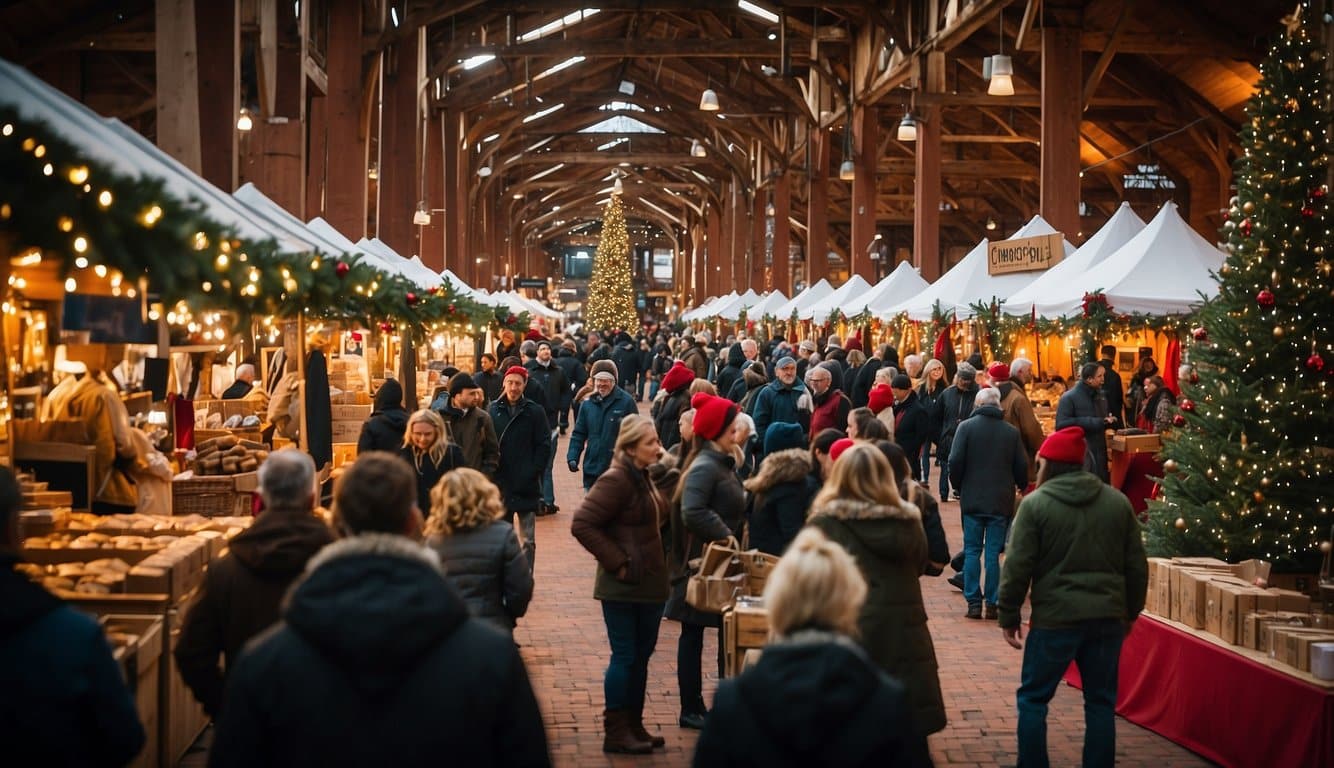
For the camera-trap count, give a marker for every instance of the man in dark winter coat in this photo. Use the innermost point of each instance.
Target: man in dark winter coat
(242, 592)
(671, 402)
(829, 406)
(599, 423)
(62, 698)
(1085, 406)
(695, 357)
(469, 425)
(988, 464)
(1112, 388)
(658, 367)
(543, 370)
(625, 354)
(383, 431)
(779, 495)
(377, 660)
(912, 424)
(525, 441)
(575, 374)
(731, 372)
(785, 399)
(956, 403)
(488, 378)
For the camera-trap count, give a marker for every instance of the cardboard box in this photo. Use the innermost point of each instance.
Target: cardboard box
(1291, 600)
(1137, 443)
(346, 431)
(1162, 587)
(1192, 598)
(1255, 626)
(351, 412)
(1283, 649)
(1297, 646)
(1228, 601)
(752, 626)
(1151, 596)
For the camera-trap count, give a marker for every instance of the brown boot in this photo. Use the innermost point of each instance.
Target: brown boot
(619, 737)
(641, 733)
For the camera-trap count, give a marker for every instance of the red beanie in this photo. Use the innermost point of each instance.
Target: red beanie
(853, 343)
(1066, 446)
(713, 414)
(516, 370)
(677, 377)
(532, 335)
(998, 371)
(880, 398)
(840, 445)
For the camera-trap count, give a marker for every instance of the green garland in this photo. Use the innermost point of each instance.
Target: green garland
(57, 201)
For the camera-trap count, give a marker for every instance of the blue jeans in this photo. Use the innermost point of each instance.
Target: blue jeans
(653, 385)
(925, 464)
(944, 476)
(632, 629)
(1095, 647)
(982, 533)
(549, 490)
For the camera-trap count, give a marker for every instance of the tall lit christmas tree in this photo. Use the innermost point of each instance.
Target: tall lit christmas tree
(1249, 468)
(611, 293)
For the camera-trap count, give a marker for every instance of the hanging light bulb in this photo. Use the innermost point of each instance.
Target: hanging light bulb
(1002, 72)
(422, 218)
(243, 121)
(484, 171)
(847, 171)
(616, 187)
(708, 101)
(907, 128)
(991, 223)
(697, 149)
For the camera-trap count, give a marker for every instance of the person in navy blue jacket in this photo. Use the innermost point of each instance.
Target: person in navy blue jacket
(598, 423)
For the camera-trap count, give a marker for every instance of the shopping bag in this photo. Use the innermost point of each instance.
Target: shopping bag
(718, 579)
(758, 566)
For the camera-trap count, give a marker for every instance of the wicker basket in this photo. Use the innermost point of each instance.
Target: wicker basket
(208, 496)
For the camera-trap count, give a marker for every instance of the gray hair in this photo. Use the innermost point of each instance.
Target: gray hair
(245, 370)
(911, 359)
(287, 479)
(1020, 365)
(987, 396)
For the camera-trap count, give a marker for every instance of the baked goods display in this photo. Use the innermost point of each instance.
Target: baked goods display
(228, 455)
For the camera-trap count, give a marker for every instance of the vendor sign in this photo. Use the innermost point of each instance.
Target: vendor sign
(1024, 254)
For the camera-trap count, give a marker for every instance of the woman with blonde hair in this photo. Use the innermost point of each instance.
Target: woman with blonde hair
(814, 697)
(860, 508)
(618, 523)
(928, 394)
(479, 548)
(427, 447)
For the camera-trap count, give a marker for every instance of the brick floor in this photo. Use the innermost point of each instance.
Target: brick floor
(565, 646)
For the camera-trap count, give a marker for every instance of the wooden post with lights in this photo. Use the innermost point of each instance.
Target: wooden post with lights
(817, 208)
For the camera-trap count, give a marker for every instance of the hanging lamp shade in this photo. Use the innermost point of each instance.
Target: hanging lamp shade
(907, 129)
(616, 187)
(1002, 72)
(847, 171)
(708, 101)
(697, 149)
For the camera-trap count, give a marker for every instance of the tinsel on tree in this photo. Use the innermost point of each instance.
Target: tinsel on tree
(611, 293)
(1249, 468)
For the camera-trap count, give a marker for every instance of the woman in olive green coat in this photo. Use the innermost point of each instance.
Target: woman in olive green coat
(859, 507)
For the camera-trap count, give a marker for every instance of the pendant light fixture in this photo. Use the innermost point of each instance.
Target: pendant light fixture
(708, 101)
(697, 149)
(907, 128)
(422, 218)
(616, 186)
(1001, 68)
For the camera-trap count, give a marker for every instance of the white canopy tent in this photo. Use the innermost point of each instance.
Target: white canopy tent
(897, 287)
(700, 312)
(1162, 270)
(806, 298)
(733, 309)
(847, 297)
(405, 267)
(522, 303)
(1119, 229)
(264, 206)
(767, 305)
(969, 282)
(454, 281)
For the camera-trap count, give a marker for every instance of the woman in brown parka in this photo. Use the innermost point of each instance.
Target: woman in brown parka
(618, 522)
(860, 508)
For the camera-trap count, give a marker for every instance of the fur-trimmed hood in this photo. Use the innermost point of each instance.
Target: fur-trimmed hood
(786, 466)
(374, 605)
(849, 509)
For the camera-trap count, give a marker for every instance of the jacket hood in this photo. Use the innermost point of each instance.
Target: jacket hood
(1076, 489)
(786, 466)
(280, 544)
(25, 602)
(389, 397)
(990, 411)
(753, 378)
(375, 605)
(828, 689)
(883, 540)
(735, 357)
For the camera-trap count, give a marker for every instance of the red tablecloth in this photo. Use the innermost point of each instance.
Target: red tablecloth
(1224, 706)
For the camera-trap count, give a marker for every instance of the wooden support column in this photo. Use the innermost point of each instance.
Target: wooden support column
(782, 267)
(453, 168)
(742, 256)
(699, 263)
(218, 40)
(317, 155)
(865, 140)
(432, 236)
(926, 254)
(345, 193)
(177, 67)
(715, 253)
(817, 209)
(758, 240)
(273, 153)
(402, 68)
(1061, 99)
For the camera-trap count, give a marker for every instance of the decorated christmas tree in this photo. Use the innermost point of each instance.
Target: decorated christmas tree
(611, 294)
(1250, 466)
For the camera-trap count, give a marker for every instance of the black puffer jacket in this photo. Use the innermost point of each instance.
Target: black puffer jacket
(555, 388)
(731, 372)
(241, 597)
(429, 472)
(384, 430)
(576, 375)
(779, 497)
(489, 570)
(988, 464)
(377, 662)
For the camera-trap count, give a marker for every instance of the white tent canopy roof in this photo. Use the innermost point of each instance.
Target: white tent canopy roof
(1162, 270)
(1119, 229)
(969, 282)
(700, 312)
(396, 263)
(265, 207)
(524, 304)
(768, 304)
(733, 309)
(897, 287)
(847, 297)
(806, 298)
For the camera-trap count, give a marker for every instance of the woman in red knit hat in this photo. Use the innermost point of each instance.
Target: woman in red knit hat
(709, 505)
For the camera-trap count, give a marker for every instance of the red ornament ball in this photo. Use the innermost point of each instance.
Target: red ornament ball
(511, 320)
(411, 298)
(1318, 193)
(450, 309)
(342, 268)
(1200, 334)
(1246, 227)
(386, 327)
(1265, 298)
(1179, 420)
(1194, 377)
(1308, 212)
(1315, 362)
(1188, 406)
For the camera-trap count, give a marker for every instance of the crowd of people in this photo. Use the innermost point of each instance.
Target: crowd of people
(394, 642)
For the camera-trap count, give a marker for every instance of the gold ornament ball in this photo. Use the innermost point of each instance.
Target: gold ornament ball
(1171, 465)
(1248, 207)
(1259, 497)
(1278, 331)
(1181, 523)
(1324, 547)
(1226, 269)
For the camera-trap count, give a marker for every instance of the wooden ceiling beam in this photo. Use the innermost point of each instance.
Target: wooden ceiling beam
(1026, 100)
(730, 48)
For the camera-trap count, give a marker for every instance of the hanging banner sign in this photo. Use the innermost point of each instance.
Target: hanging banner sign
(1024, 254)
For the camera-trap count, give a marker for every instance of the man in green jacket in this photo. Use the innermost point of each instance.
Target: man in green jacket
(1077, 543)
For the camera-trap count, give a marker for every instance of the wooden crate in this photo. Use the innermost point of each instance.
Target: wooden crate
(184, 717)
(745, 627)
(210, 496)
(142, 664)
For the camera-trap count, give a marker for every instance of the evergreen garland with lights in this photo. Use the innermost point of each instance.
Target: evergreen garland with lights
(1249, 468)
(611, 292)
